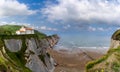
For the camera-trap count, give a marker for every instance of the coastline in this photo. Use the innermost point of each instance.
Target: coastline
(74, 60)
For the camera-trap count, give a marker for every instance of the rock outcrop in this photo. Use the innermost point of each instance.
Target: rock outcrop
(114, 43)
(13, 45)
(109, 62)
(26, 53)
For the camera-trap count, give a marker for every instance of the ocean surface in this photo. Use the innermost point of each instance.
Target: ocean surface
(95, 44)
(85, 41)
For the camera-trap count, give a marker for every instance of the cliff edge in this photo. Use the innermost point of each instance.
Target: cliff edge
(25, 52)
(110, 62)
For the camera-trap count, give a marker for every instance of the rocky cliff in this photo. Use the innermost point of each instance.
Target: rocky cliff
(26, 53)
(109, 62)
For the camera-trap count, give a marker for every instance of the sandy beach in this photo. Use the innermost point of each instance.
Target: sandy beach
(73, 60)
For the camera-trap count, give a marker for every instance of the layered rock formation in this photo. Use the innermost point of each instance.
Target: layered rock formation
(26, 53)
(109, 62)
(115, 39)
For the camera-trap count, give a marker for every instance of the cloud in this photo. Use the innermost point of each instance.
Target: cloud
(25, 24)
(47, 28)
(118, 28)
(84, 11)
(67, 26)
(101, 29)
(13, 7)
(90, 28)
(16, 23)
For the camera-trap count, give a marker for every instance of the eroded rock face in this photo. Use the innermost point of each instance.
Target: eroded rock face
(36, 48)
(52, 40)
(33, 45)
(14, 45)
(35, 64)
(36, 56)
(115, 40)
(110, 62)
(114, 43)
(49, 63)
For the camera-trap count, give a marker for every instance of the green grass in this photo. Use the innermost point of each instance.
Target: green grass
(3, 68)
(93, 63)
(116, 66)
(114, 50)
(5, 64)
(116, 35)
(16, 59)
(40, 34)
(11, 30)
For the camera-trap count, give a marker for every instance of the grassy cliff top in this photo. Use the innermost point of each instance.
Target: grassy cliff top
(116, 35)
(11, 30)
(14, 61)
(110, 62)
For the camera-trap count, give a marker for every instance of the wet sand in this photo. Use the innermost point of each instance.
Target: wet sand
(73, 60)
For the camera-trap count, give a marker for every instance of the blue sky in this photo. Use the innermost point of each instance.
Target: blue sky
(79, 22)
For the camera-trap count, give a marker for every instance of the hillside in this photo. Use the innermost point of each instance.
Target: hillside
(11, 30)
(109, 62)
(25, 53)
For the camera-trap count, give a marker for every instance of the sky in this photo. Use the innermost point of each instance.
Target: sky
(81, 23)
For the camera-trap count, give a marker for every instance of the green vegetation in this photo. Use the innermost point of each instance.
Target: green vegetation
(11, 30)
(115, 65)
(18, 57)
(116, 35)
(48, 55)
(5, 64)
(15, 61)
(108, 65)
(92, 63)
(3, 68)
(40, 35)
(42, 57)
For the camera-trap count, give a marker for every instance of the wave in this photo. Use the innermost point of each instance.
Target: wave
(94, 47)
(79, 49)
(83, 47)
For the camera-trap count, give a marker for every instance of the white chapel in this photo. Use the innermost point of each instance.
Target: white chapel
(25, 30)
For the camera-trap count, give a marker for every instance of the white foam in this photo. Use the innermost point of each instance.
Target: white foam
(94, 49)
